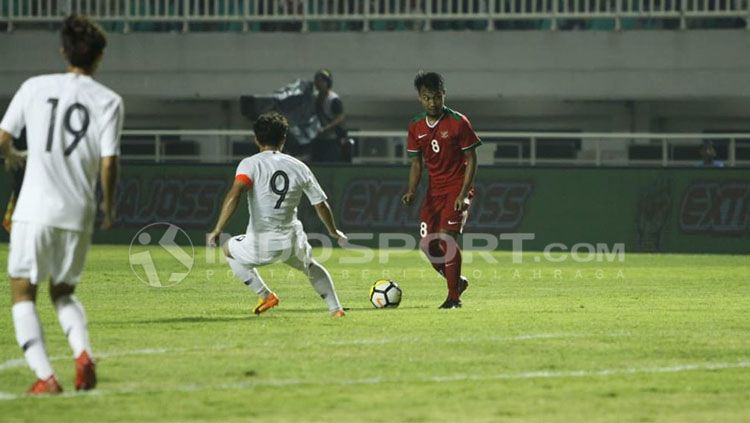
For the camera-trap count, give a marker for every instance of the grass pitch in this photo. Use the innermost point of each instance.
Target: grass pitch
(655, 338)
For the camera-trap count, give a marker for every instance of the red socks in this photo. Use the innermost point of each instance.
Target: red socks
(445, 258)
(432, 249)
(452, 266)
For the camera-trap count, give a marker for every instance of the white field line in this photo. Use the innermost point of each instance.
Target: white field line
(468, 339)
(15, 363)
(742, 364)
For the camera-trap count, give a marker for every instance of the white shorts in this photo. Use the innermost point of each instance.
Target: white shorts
(39, 252)
(255, 250)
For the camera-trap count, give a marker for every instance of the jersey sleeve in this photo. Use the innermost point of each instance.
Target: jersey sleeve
(412, 147)
(312, 189)
(110, 135)
(243, 174)
(467, 138)
(14, 120)
(337, 107)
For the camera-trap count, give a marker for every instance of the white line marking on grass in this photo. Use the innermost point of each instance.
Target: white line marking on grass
(10, 364)
(593, 373)
(464, 339)
(743, 364)
(15, 363)
(4, 396)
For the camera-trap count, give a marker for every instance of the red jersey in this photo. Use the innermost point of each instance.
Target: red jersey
(442, 146)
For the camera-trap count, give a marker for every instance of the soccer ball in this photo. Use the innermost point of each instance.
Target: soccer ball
(385, 294)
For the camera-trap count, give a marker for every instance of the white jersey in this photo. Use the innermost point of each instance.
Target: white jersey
(277, 182)
(71, 122)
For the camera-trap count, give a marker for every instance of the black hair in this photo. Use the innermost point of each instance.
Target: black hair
(433, 81)
(325, 74)
(270, 129)
(82, 40)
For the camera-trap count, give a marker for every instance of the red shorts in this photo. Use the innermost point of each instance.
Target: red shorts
(437, 213)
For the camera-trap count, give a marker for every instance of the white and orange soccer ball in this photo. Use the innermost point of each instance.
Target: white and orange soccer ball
(385, 293)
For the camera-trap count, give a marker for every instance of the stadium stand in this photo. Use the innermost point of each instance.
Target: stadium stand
(380, 15)
(637, 100)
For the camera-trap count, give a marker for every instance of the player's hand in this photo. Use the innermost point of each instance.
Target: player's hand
(407, 199)
(212, 240)
(339, 236)
(15, 160)
(460, 204)
(107, 221)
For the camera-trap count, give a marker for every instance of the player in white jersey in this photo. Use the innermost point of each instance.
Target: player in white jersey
(275, 183)
(73, 126)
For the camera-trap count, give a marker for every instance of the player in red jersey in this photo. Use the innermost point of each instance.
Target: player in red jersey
(445, 142)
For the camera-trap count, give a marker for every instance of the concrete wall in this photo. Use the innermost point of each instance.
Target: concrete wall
(635, 65)
(526, 80)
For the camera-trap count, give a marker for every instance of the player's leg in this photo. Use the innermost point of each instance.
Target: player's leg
(452, 223)
(73, 321)
(321, 281)
(266, 299)
(69, 255)
(30, 336)
(234, 250)
(433, 250)
(449, 244)
(319, 278)
(28, 262)
(429, 224)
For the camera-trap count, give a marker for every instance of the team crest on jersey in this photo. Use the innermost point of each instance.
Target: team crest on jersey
(444, 134)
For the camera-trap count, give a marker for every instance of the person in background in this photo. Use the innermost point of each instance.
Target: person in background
(708, 156)
(327, 146)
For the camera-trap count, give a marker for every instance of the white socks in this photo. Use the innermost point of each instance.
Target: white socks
(30, 338)
(319, 278)
(250, 277)
(321, 282)
(73, 322)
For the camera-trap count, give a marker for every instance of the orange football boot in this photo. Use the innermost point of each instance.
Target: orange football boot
(85, 372)
(46, 386)
(271, 301)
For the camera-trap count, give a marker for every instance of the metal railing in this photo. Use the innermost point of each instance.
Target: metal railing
(364, 15)
(499, 148)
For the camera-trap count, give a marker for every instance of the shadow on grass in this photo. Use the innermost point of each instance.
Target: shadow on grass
(247, 315)
(186, 319)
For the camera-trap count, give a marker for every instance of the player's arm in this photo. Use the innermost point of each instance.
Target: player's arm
(471, 170)
(317, 198)
(337, 108)
(326, 216)
(14, 159)
(109, 140)
(415, 171)
(231, 200)
(415, 174)
(110, 168)
(12, 124)
(338, 120)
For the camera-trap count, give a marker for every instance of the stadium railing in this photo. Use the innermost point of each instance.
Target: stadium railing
(365, 15)
(500, 148)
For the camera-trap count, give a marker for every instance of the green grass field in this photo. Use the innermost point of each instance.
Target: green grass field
(656, 338)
